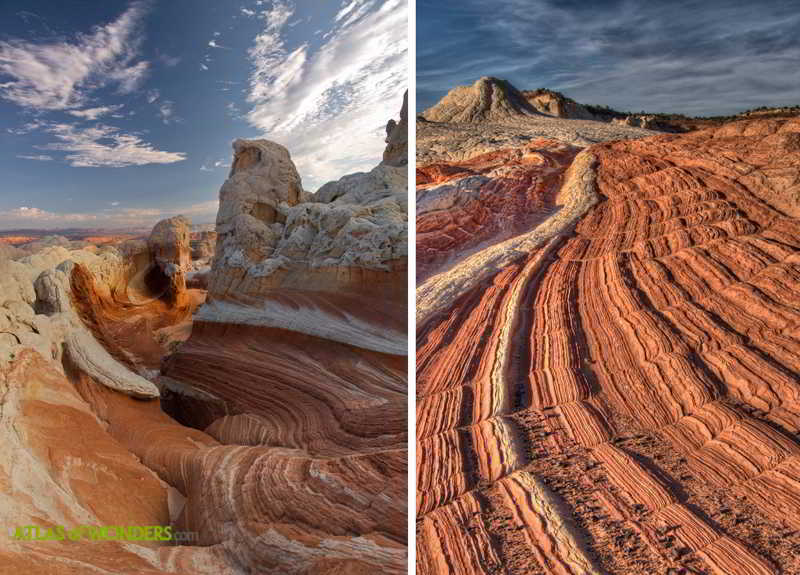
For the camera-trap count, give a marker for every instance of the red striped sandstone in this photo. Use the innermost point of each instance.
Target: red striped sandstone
(640, 366)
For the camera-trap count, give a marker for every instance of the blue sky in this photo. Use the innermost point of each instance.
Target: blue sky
(117, 114)
(697, 57)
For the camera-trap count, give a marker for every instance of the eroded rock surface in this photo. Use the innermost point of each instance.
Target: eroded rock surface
(621, 395)
(492, 115)
(333, 267)
(296, 365)
(271, 425)
(396, 152)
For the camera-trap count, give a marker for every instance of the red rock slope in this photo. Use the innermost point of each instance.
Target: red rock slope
(625, 397)
(276, 434)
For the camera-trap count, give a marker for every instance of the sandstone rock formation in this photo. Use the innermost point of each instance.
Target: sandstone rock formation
(169, 248)
(556, 104)
(297, 363)
(497, 101)
(396, 152)
(275, 433)
(488, 99)
(298, 358)
(488, 117)
(9, 252)
(614, 391)
(333, 268)
(61, 464)
(202, 244)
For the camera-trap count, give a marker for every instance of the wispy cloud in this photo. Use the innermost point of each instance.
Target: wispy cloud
(94, 113)
(210, 167)
(58, 76)
(247, 12)
(169, 61)
(25, 128)
(105, 146)
(166, 110)
(38, 158)
(312, 99)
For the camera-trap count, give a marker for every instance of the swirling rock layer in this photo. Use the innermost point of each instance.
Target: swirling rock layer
(295, 370)
(623, 397)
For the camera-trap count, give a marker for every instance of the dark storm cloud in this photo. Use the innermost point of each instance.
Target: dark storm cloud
(685, 56)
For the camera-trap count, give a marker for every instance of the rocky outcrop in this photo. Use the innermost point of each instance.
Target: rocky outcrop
(296, 365)
(556, 104)
(274, 435)
(169, 243)
(487, 100)
(439, 142)
(396, 152)
(9, 252)
(621, 396)
(202, 244)
(169, 249)
(300, 265)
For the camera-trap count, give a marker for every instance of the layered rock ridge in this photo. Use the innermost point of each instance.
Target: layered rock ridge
(621, 396)
(63, 464)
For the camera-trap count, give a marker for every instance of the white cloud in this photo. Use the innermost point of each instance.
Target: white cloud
(153, 95)
(25, 128)
(92, 114)
(130, 78)
(217, 164)
(169, 61)
(167, 112)
(115, 203)
(232, 110)
(203, 67)
(59, 75)
(312, 100)
(115, 217)
(347, 8)
(39, 157)
(213, 44)
(25, 215)
(247, 12)
(105, 146)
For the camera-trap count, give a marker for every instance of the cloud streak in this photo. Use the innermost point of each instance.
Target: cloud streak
(94, 113)
(58, 76)
(104, 146)
(38, 158)
(329, 105)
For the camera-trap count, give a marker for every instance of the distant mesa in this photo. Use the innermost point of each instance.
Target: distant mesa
(493, 100)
